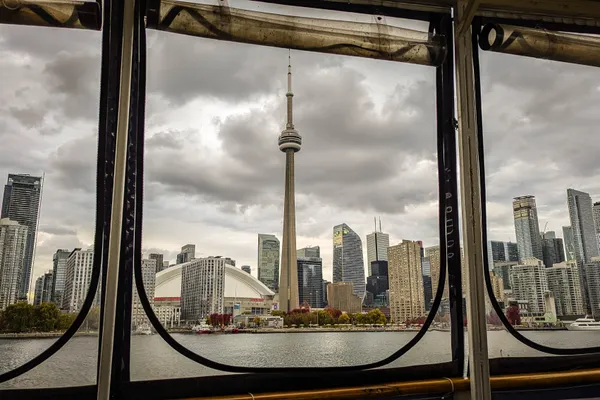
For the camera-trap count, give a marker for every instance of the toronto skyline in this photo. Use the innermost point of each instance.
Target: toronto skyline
(213, 174)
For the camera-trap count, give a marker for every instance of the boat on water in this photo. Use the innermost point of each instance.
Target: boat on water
(202, 328)
(584, 324)
(143, 330)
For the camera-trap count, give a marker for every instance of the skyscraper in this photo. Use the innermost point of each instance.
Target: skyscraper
(564, 283)
(582, 222)
(406, 282)
(512, 251)
(377, 245)
(188, 253)
(59, 272)
(596, 211)
(552, 250)
(310, 281)
(13, 245)
(268, 261)
(310, 251)
(159, 260)
(529, 282)
(348, 264)
(43, 288)
(289, 143)
(202, 288)
(433, 254)
(569, 244)
(592, 287)
(138, 315)
(80, 265)
(21, 203)
(527, 228)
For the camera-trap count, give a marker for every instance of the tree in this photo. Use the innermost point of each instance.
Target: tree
(19, 317)
(334, 312)
(376, 317)
(513, 314)
(324, 318)
(65, 320)
(256, 321)
(344, 319)
(46, 317)
(278, 313)
(493, 319)
(360, 319)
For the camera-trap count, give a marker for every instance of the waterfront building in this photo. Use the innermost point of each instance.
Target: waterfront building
(426, 265)
(79, 267)
(202, 287)
(348, 265)
(13, 247)
(582, 223)
(569, 243)
(433, 255)
(564, 284)
(592, 286)
(309, 251)
(21, 203)
(405, 281)
(596, 212)
(503, 251)
(59, 272)
(310, 281)
(138, 315)
(427, 293)
(497, 286)
(528, 282)
(43, 289)
(527, 229)
(168, 311)
(290, 142)
(247, 269)
(159, 258)
(341, 296)
(188, 253)
(377, 245)
(502, 270)
(268, 261)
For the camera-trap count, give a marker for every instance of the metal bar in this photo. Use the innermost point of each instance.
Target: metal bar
(449, 196)
(356, 39)
(541, 43)
(56, 13)
(112, 275)
(471, 211)
(468, 17)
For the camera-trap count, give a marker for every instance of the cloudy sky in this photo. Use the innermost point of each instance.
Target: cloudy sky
(214, 174)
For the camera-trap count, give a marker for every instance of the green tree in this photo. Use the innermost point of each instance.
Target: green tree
(65, 320)
(324, 318)
(256, 321)
(19, 317)
(46, 317)
(376, 317)
(278, 313)
(344, 319)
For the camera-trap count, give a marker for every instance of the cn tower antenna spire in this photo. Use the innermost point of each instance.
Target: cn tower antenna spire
(289, 94)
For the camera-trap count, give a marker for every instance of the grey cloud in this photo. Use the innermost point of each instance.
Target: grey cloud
(74, 164)
(30, 117)
(58, 230)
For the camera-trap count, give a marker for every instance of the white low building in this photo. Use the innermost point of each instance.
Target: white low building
(240, 288)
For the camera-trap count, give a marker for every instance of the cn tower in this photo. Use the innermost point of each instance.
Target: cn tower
(289, 142)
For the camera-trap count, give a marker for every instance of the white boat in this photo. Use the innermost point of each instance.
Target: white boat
(143, 329)
(584, 324)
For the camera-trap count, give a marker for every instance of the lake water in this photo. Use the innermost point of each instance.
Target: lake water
(152, 358)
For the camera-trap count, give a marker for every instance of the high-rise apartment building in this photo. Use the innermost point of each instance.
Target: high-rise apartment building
(268, 261)
(80, 265)
(43, 289)
(433, 254)
(310, 251)
(529, 282)
(582, 222)
(59, 272)
(13, 247)
(427, 293)
(592, 286)
(138, 315)
(188, 253)
(159, 260)
(21, 203)
(564, 283)
(247, 269)
(377, 245)
(406, 282)
(527, 228)
(310, 281)
(348, 264)
(503, 251)
(596, 212)
(569, 243)
(202, 288)
(502, 270)
(497, 286)
(552, 250)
